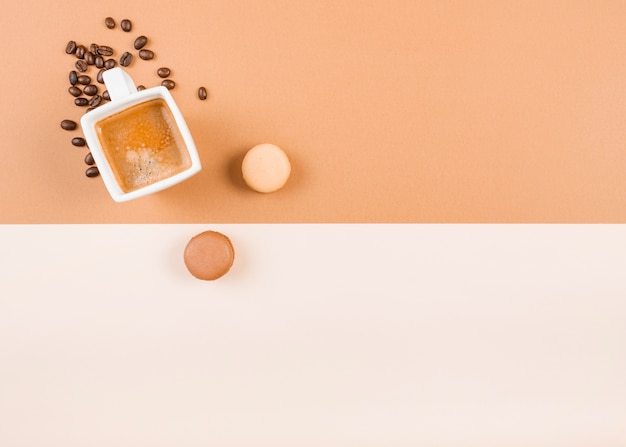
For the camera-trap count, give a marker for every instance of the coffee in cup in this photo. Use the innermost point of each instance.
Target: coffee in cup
(140, 141)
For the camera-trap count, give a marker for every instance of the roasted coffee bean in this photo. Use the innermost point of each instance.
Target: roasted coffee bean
(71, 47)
(95, 101)
(109, 22)
(75, 91)
(146, 55)
(80, 51)
(68, 124)
(202, 94)
(105, 95)
(99, 61)
(109, 63)
(93, 48)
(73, 77)
(141, 87)
(168, 84)
(164, 72)
(81, 65)
(78, 141)
(84, 80)
(89, 159)
(90, 90)
(90, 58)
(126, 59)
(81, 102)
(92, 172)
(99, 77)
(104, 50)
(126, 25)
(140, 42)
(89, 109)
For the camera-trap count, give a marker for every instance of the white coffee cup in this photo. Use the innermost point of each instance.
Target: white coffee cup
(138, 146)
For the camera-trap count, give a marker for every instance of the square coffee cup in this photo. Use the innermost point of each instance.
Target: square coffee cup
(139, 141)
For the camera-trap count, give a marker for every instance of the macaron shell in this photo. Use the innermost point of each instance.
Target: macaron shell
(209, 255)
(266, 168)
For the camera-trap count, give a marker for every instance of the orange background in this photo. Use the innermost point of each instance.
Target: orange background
(396, 111)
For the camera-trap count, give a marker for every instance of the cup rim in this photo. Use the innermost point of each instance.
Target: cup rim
(89, 120)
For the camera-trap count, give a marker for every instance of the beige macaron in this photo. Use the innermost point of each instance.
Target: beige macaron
(265, 168)
(209, 255)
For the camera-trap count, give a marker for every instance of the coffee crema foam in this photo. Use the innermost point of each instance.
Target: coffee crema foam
(143, 144)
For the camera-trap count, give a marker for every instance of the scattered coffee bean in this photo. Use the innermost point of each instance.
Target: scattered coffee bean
(168, 84)
(95, 101)
(96, 55)
(164, 72)
(202, 94)
(126, 25)
(104, 50)
(89, 159)
(126, 59)
(68, 124)
(75, 91)
(80, 51)
(146, 55)
(92, 172)
(78, 141)
(90, 58)
(140, 42)
(81, 65)
(71, 47)
(90, 90)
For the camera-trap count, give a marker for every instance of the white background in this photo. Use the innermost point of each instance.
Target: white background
(320, 335)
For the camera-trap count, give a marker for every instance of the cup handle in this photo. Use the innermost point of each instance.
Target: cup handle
(118, 83)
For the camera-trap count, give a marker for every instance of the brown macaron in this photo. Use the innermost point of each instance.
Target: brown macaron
(209, 255)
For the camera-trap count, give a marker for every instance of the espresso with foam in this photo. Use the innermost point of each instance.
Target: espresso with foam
(143, 144)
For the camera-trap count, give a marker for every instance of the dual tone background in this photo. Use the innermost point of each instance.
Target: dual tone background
(325, 335)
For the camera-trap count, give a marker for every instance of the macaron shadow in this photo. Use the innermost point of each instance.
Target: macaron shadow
(234, 170)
